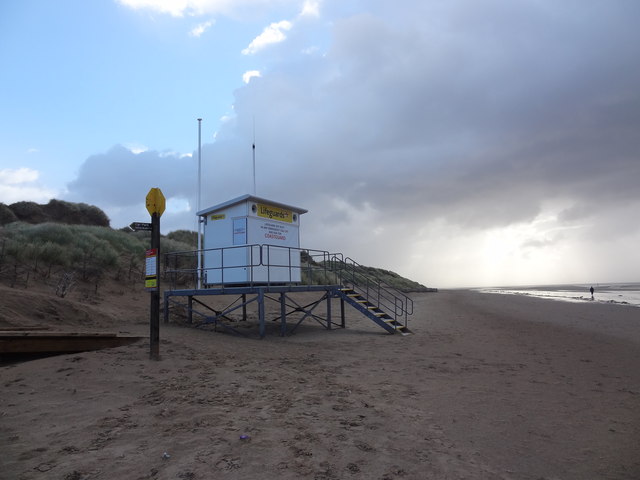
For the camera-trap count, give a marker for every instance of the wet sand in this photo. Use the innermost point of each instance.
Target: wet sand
(487, 387)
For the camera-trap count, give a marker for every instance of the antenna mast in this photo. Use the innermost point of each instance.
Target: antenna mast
(254, 155)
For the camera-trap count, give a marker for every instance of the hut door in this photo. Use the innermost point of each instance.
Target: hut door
(240, 231)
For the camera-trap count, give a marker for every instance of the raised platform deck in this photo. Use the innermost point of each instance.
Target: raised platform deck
(256, 293)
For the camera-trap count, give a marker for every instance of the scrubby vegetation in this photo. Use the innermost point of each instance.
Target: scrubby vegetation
(323, 272)
(6, 215)
(392, 278)
(55, 211)
(61, 254)
(186, 237)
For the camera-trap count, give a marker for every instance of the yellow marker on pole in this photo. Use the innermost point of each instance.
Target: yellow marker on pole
(155, 205)
(156, 202)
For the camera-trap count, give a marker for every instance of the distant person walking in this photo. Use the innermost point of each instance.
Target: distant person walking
(591, 290)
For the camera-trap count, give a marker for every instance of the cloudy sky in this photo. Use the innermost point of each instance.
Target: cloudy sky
(458, 142)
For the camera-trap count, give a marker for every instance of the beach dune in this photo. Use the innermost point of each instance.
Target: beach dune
(488, 387)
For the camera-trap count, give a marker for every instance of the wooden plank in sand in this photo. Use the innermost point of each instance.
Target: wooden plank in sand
(19, 342)
(22, 329)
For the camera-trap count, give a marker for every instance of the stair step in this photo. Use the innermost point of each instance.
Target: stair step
(402, 329)
(393, 323)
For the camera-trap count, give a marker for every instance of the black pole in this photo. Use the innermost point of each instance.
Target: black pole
(154, 319)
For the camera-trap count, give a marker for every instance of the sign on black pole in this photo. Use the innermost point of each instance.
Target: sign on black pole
(140, 227)
(155, 206)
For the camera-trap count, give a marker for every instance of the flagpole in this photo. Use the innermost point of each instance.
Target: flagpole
(198, 203)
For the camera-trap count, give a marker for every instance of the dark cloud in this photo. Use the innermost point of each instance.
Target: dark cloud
(117, 178)
(510, 104)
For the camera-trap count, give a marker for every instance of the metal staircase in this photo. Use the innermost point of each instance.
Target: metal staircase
(382, 303)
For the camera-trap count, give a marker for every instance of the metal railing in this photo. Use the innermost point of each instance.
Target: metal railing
(249, 265)
(259, 265)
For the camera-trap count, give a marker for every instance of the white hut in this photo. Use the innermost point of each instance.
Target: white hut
(251, 240)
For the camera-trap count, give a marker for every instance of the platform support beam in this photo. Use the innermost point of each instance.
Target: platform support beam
(244, 307)
(261, 312)
(283, 314)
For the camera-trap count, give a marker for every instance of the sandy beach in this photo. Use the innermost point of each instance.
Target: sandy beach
(487, 387)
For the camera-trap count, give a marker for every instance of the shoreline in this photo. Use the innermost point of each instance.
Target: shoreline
(623, 294)
(591, 316)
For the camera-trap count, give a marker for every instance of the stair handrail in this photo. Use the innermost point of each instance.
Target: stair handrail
(384, 296)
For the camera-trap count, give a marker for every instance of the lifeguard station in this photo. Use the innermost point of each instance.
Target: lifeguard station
(250, 240)
(251, 250)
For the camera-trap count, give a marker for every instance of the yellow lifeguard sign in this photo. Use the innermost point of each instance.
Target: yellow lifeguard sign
(155, 202)
(155, 206)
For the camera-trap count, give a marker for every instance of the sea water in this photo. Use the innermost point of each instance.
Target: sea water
(614, 293)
